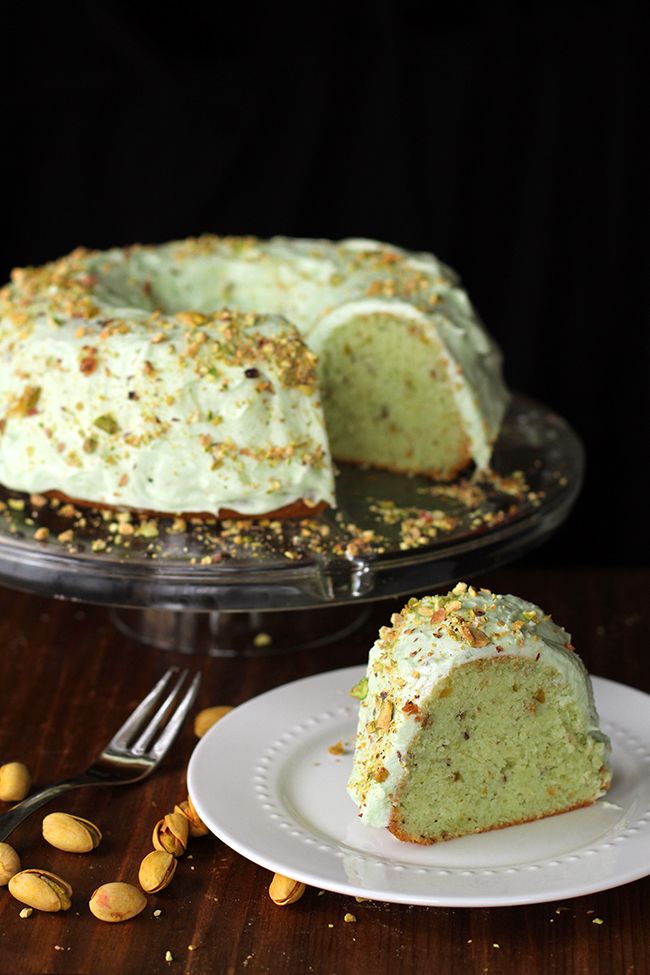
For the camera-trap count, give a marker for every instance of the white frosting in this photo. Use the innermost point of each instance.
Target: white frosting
(413, 657)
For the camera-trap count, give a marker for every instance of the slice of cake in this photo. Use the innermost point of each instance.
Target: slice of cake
(476, 713)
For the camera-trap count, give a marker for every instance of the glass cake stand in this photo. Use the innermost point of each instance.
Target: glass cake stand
(220, 587)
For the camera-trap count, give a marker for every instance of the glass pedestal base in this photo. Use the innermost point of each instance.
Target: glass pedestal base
(254, 634)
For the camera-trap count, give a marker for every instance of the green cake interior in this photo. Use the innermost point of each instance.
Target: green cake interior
(387, 397)
(503, 741)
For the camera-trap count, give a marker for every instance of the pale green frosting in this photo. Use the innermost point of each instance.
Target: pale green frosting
(318, 286)
(153, 428)
(410, 658)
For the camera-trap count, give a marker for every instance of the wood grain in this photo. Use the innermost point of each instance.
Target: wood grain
(68, 679)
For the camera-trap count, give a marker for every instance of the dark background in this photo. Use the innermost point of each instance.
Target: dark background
(509, 140)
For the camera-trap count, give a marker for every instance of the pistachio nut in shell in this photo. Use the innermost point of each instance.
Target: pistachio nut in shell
(15, 782)
(70, 833)
(156, 871)
(209, 716)
(9, 863)
(197, 826)
(116, 902)
(171, 833)
(284, 890)
(41, 889)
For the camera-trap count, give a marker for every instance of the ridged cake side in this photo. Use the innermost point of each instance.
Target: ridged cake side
(183, 413)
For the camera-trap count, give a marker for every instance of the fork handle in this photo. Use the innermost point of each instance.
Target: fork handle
(15, 816)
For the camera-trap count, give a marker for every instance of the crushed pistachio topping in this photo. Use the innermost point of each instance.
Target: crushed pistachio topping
(360, 689)
(62, 288)
(107, 423)
(336, 749)
(385, 715)
(26, 403)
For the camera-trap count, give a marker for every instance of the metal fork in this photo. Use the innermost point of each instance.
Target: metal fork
(132, 753)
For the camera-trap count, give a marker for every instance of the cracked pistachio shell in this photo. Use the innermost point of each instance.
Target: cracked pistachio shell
(284, 890)
(9, 863)
(41, 889)
(209, 716)
(117, 902)
(171, 833)
(197, 826)
(70, 833)
(15, 782)
(156, 871)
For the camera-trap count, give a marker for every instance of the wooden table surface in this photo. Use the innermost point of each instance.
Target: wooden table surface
(68, 679)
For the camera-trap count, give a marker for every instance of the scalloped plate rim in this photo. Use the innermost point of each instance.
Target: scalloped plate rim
(265, 747)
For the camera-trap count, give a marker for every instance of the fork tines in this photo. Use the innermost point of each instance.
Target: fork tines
(158, 718)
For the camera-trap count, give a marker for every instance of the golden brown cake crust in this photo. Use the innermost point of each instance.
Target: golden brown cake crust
(296, 510)
(437, 475)
(395, 828)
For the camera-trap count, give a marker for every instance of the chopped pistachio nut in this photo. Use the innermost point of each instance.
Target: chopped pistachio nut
(107, 423)
(360, 689)
(26, 402)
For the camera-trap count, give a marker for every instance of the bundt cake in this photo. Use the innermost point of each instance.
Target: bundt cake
(476, 713)
(189, 377)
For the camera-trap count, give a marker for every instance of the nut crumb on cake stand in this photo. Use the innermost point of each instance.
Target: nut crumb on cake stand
(392, 535)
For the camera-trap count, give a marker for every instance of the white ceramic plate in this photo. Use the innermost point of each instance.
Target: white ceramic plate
(263, 780)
